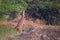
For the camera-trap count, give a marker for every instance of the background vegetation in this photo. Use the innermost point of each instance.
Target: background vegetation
(48, 10)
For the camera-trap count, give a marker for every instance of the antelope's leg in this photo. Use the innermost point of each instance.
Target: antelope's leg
(20, 28)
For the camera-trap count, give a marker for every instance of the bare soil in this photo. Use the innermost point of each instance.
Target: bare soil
(38, 34)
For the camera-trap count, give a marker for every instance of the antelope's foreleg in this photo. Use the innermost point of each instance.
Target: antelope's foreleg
(19, 28)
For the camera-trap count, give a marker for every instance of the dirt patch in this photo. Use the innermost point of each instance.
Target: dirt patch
(38, 34)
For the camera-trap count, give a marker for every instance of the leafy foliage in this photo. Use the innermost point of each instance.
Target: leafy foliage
(48, 10)
(11, 5)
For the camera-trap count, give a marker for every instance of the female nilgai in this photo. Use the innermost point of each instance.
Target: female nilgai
(22, 21)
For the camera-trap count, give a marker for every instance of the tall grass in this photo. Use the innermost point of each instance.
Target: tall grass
(6, 32)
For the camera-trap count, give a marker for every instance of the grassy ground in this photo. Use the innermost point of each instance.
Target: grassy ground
(6, 32)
